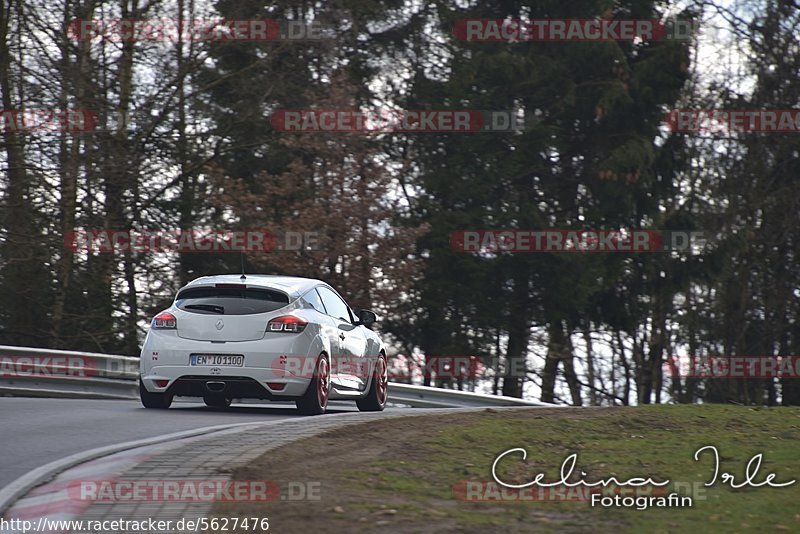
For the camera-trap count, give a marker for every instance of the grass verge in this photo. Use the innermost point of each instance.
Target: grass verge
(399, 475)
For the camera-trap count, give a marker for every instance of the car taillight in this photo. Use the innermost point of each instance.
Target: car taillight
(165, 320)
(286, 323)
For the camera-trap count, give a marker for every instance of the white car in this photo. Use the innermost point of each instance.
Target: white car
(263, 337)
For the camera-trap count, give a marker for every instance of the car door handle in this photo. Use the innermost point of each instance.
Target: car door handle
(341, 336)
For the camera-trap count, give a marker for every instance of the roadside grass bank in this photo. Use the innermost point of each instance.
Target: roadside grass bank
(433, 473)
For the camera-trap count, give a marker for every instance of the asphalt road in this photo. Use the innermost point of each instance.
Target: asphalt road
(37, 431)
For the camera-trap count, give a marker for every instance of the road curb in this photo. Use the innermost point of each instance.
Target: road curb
(22, 485)
(19, 488)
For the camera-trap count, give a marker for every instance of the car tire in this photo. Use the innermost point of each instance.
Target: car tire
(375, 400)
(315, 400)
(217, 401)
(156, 401)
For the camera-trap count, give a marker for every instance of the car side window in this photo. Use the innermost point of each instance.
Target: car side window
(312, 297)
(335, 305)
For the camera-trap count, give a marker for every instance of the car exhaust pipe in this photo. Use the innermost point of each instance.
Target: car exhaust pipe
(216, 387)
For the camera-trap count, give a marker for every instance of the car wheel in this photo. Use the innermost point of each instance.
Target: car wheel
(158, 401)
(375, 401)
(315, 400)
(217, 401)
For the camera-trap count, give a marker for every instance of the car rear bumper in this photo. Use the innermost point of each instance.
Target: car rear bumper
(234, 387)
(234, 382)
(165, 367)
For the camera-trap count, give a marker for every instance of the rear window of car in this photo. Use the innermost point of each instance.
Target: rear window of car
(230, 301)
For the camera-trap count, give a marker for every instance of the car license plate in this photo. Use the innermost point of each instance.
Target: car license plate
(224, 360)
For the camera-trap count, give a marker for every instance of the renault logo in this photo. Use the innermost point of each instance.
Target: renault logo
(220, 325)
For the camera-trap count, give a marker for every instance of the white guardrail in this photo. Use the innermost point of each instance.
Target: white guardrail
(29, 372)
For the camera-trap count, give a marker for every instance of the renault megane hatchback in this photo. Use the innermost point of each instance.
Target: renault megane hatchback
(263, 337)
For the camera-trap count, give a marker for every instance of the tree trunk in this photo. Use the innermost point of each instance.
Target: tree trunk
(117, 183)
(555, 347)
(20, 313)
(590, 377)
(70, 161)
(518, 335)
(570, 376)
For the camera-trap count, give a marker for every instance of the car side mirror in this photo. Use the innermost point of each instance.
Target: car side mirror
(366, 318)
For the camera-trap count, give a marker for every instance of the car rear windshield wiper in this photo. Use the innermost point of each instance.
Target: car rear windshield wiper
(208, 307)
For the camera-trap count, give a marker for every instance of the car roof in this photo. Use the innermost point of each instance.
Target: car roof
(291, 285)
